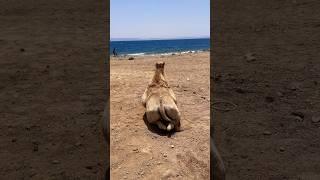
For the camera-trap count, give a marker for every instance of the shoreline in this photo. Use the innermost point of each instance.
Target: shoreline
(137, 55)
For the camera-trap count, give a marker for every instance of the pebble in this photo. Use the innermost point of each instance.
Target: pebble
(164, 155)
(282, 149)
(269, 99)
(188, 79)
(167, 174)
(55, 162)
(172, 146)
(250, 57)
(14, 140)
(298, 113)
(280, 94)
(266, 133)
(125, 177)
(244, 156)
(297, 118)
(315, 119)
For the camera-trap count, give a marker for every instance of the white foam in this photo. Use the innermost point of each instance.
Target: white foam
(136, 54)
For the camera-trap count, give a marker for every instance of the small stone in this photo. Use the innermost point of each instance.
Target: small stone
(298, 113)
(244, 156)
(240, 91)
(158, 162)
(14, 140)
(78, 144)
(297, 118)
(250, 57)
(35, 147)
(315, 119)
(55, 162)
(172, 146)
(282, 149)
(89, 167)
(125, 177)
(269, 99)
(22, 49)
(167, 174)
(131, 58)
(188, 79)
(164, 155)
(280, 94)
(293, 86)
(266, 133)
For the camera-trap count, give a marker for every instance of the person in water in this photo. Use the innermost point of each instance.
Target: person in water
(114, 52)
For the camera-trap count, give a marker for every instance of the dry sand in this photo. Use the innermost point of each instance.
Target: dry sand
(52, 91)
(263, 138)
(138, 152)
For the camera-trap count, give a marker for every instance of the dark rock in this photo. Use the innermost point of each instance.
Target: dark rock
(239, 90)
(298, 113)
(315, 119)
(250, 57)
(267, 133)
(131, 58)
(269, 99)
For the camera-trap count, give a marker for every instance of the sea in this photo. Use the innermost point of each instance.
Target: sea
(156, 47)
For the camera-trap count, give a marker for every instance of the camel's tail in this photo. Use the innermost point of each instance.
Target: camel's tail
(165, 117)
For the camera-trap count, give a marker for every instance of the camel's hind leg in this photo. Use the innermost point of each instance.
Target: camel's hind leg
(152, 110)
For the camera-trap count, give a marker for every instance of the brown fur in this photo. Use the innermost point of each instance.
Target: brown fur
(160, 102)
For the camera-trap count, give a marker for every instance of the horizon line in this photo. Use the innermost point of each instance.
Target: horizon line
(146, 39)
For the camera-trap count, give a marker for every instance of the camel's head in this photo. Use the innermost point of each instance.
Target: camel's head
(160, 65)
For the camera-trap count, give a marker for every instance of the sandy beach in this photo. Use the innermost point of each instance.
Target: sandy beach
(140, 153)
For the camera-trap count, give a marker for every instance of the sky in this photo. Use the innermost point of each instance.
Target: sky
(159, 19)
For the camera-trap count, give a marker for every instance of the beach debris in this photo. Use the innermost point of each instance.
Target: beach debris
(315, 118)
(267, 133)
(131, 58)
(250, 57)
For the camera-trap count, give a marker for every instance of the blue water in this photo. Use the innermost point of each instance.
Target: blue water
(145, 47)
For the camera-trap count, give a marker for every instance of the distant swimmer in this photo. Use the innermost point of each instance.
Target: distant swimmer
(114, 52)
